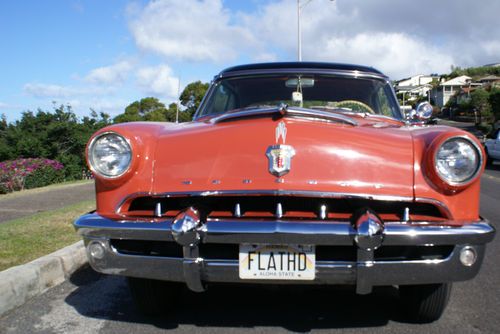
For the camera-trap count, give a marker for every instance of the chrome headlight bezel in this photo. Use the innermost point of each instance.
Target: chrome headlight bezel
(470, 178)
(91, 158)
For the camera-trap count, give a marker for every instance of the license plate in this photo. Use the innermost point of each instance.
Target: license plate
(277, 262)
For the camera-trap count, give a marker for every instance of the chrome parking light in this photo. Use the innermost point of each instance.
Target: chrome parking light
(468, 256)
(96, 250)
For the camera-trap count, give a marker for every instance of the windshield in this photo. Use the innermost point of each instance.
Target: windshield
(314, 91)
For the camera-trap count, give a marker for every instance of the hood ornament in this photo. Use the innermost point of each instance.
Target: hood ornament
(280, 155)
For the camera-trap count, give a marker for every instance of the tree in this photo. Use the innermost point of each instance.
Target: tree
(57, 135)
(152, 110)
(4, 147)
(494, 100)
(146, 109)
(192, 95)
(479, 101)
(474, 71)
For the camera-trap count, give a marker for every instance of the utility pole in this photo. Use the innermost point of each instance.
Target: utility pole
(299, 32)
(299, 38)
(178, 100)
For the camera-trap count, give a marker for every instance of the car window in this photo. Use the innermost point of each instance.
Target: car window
(223, 99)
(326, 92)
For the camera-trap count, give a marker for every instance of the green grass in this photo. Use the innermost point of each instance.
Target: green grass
(25, 239)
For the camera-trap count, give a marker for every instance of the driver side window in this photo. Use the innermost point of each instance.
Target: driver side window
(223, 99)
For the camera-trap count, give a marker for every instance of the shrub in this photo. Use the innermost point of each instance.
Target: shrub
(43, 176)
(29, 173)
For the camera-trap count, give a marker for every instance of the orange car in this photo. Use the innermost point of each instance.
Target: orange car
(290, 173)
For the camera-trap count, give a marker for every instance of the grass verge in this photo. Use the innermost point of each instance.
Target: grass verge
(25, 239)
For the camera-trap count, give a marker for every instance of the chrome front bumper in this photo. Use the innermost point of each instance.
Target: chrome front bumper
(365, 272)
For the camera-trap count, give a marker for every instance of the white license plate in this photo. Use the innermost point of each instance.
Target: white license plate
(277, 262)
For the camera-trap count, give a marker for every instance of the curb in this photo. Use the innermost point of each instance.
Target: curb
(21, 283)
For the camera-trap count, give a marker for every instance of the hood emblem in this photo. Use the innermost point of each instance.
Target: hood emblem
(280, 155)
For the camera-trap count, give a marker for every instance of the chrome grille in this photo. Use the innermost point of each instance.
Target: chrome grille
(277, 207)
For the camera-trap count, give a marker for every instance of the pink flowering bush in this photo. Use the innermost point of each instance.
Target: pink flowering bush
(29, 173)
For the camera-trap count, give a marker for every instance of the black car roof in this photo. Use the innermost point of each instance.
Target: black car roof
(301, 65)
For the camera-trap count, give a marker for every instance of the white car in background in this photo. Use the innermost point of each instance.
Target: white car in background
(492, 147)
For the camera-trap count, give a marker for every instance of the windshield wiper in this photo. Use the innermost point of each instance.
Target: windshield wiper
(284, 110)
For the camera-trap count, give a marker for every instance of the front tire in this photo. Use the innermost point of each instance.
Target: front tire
(152, 297)
(425, 303)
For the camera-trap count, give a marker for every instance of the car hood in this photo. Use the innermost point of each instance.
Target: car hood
(374, 157)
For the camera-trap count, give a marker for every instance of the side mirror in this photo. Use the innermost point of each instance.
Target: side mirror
(423, 112)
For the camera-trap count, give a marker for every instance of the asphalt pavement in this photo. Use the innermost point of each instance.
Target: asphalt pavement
(93, 303)
(44, 199)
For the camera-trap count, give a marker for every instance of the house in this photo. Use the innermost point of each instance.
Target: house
(447, 89)
(490, 81)
(414, 87)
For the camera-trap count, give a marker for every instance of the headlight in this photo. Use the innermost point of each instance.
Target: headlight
(110, 155)
(457, 161)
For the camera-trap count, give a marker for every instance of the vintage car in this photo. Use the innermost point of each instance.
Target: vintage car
(290, 173)
(492, 147)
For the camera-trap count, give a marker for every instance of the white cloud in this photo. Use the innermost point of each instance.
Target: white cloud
(492, 48)
(158, 80)
(43, 90)
(3, 105)
(191, 30)
(400, 38)
(112, 107)
(395, 53)
(113, 74)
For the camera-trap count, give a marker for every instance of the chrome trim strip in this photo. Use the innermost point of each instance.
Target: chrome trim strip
(319, 114)
(270, 71)
(475, 233)
(284, 112)
(437, 203)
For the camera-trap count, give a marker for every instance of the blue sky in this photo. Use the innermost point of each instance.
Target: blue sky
(106, 54)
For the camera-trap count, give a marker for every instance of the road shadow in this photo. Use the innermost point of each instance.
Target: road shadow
(494, 166)
(294, 308)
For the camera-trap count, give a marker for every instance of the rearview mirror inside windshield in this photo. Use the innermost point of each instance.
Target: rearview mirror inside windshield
(304, 82)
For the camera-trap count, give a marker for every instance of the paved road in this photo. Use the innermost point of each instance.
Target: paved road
(94, 303)
(39, 200)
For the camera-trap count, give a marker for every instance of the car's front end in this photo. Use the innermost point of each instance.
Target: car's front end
(270, 186)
